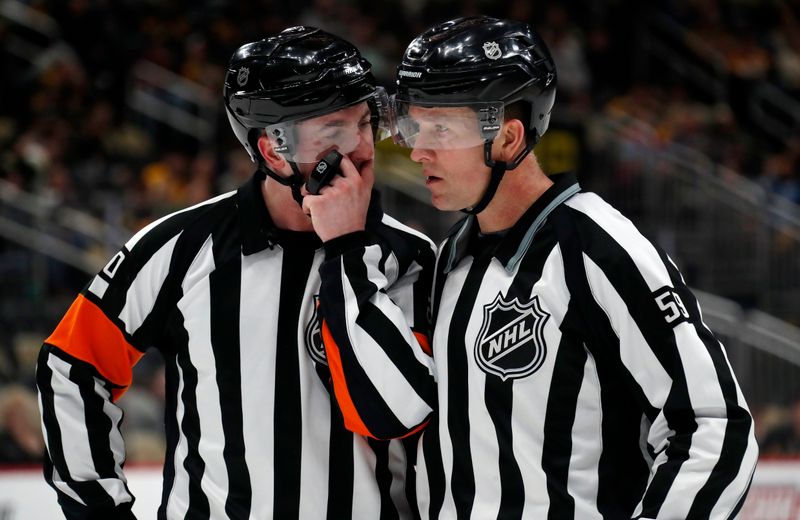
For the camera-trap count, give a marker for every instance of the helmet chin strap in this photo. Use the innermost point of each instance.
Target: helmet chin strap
(499, 169)
(294, 181)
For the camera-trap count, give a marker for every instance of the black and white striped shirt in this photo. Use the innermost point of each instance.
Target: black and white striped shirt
(232, 304)
(576, 378)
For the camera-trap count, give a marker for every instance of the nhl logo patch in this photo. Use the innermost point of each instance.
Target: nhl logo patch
(492, 50)
(511, 342)
(241, 78)
(314, 344)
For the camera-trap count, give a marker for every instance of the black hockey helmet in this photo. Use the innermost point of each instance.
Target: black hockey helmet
(480, 60)
(482, 63)
(301, 73)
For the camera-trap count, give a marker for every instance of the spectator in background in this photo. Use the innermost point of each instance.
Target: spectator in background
(785, 41)
(780, 172)
(21, 440)
(784, 439)
(568, 50)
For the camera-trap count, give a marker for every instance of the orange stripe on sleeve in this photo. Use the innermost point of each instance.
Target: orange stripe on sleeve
(417, 429)
(352, 420)
(423, 342)
(86, 333)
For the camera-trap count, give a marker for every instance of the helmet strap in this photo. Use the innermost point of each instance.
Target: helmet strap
(294, 182)
(499, 169)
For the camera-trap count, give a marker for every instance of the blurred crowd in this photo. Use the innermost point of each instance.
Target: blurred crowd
(68, 129)
(70, 132)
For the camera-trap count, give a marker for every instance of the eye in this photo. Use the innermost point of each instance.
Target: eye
(409, 126)
(441, 129)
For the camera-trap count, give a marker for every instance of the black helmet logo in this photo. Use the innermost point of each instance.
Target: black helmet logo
(492, 50)
(241, 78)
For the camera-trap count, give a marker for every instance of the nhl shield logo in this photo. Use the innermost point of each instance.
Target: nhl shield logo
(241, 78)
(492, 50)
(511, 343)
(314, 344)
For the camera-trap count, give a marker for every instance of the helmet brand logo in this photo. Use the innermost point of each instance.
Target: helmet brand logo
(352, 69)
(492, 50)
(409, 74)
(241, 78)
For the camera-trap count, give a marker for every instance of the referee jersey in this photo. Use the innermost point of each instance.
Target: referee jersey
(576, 378)
(237, 308)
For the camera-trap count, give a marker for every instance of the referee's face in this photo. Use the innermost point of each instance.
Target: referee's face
(456, 176)
(348, 130)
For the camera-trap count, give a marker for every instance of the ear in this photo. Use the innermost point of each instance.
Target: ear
(275, 161)
(510, 140)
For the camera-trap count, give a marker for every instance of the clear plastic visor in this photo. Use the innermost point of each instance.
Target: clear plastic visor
(445, 127)
(345, 130)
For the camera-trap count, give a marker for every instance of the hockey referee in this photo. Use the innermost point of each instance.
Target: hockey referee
(576, 378)
(238, 294)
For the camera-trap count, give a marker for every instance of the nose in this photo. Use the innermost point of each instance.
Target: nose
(421, 154)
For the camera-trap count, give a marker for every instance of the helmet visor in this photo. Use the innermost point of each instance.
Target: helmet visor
(444, 127)
(307, 140)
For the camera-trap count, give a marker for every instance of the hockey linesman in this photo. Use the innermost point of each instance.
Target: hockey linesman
(228, 292)
(576, 378)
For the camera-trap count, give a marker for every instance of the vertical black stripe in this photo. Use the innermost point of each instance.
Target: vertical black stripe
(172, 432)
(567, 378)
(385, 253)
(463, 477)
(737, 430)
(224, 285)
(91, 492)
(422, 290)
(499, 398)
(383, 478)
(190, 426)
(622, 470)
(499, 394)
(98, 424)
(434, 466)
(626, 278)
(340, 472)
(55, 449)
(410, 444)
(438, 284)
(739, 504)
(295, 271)
(562, 400)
